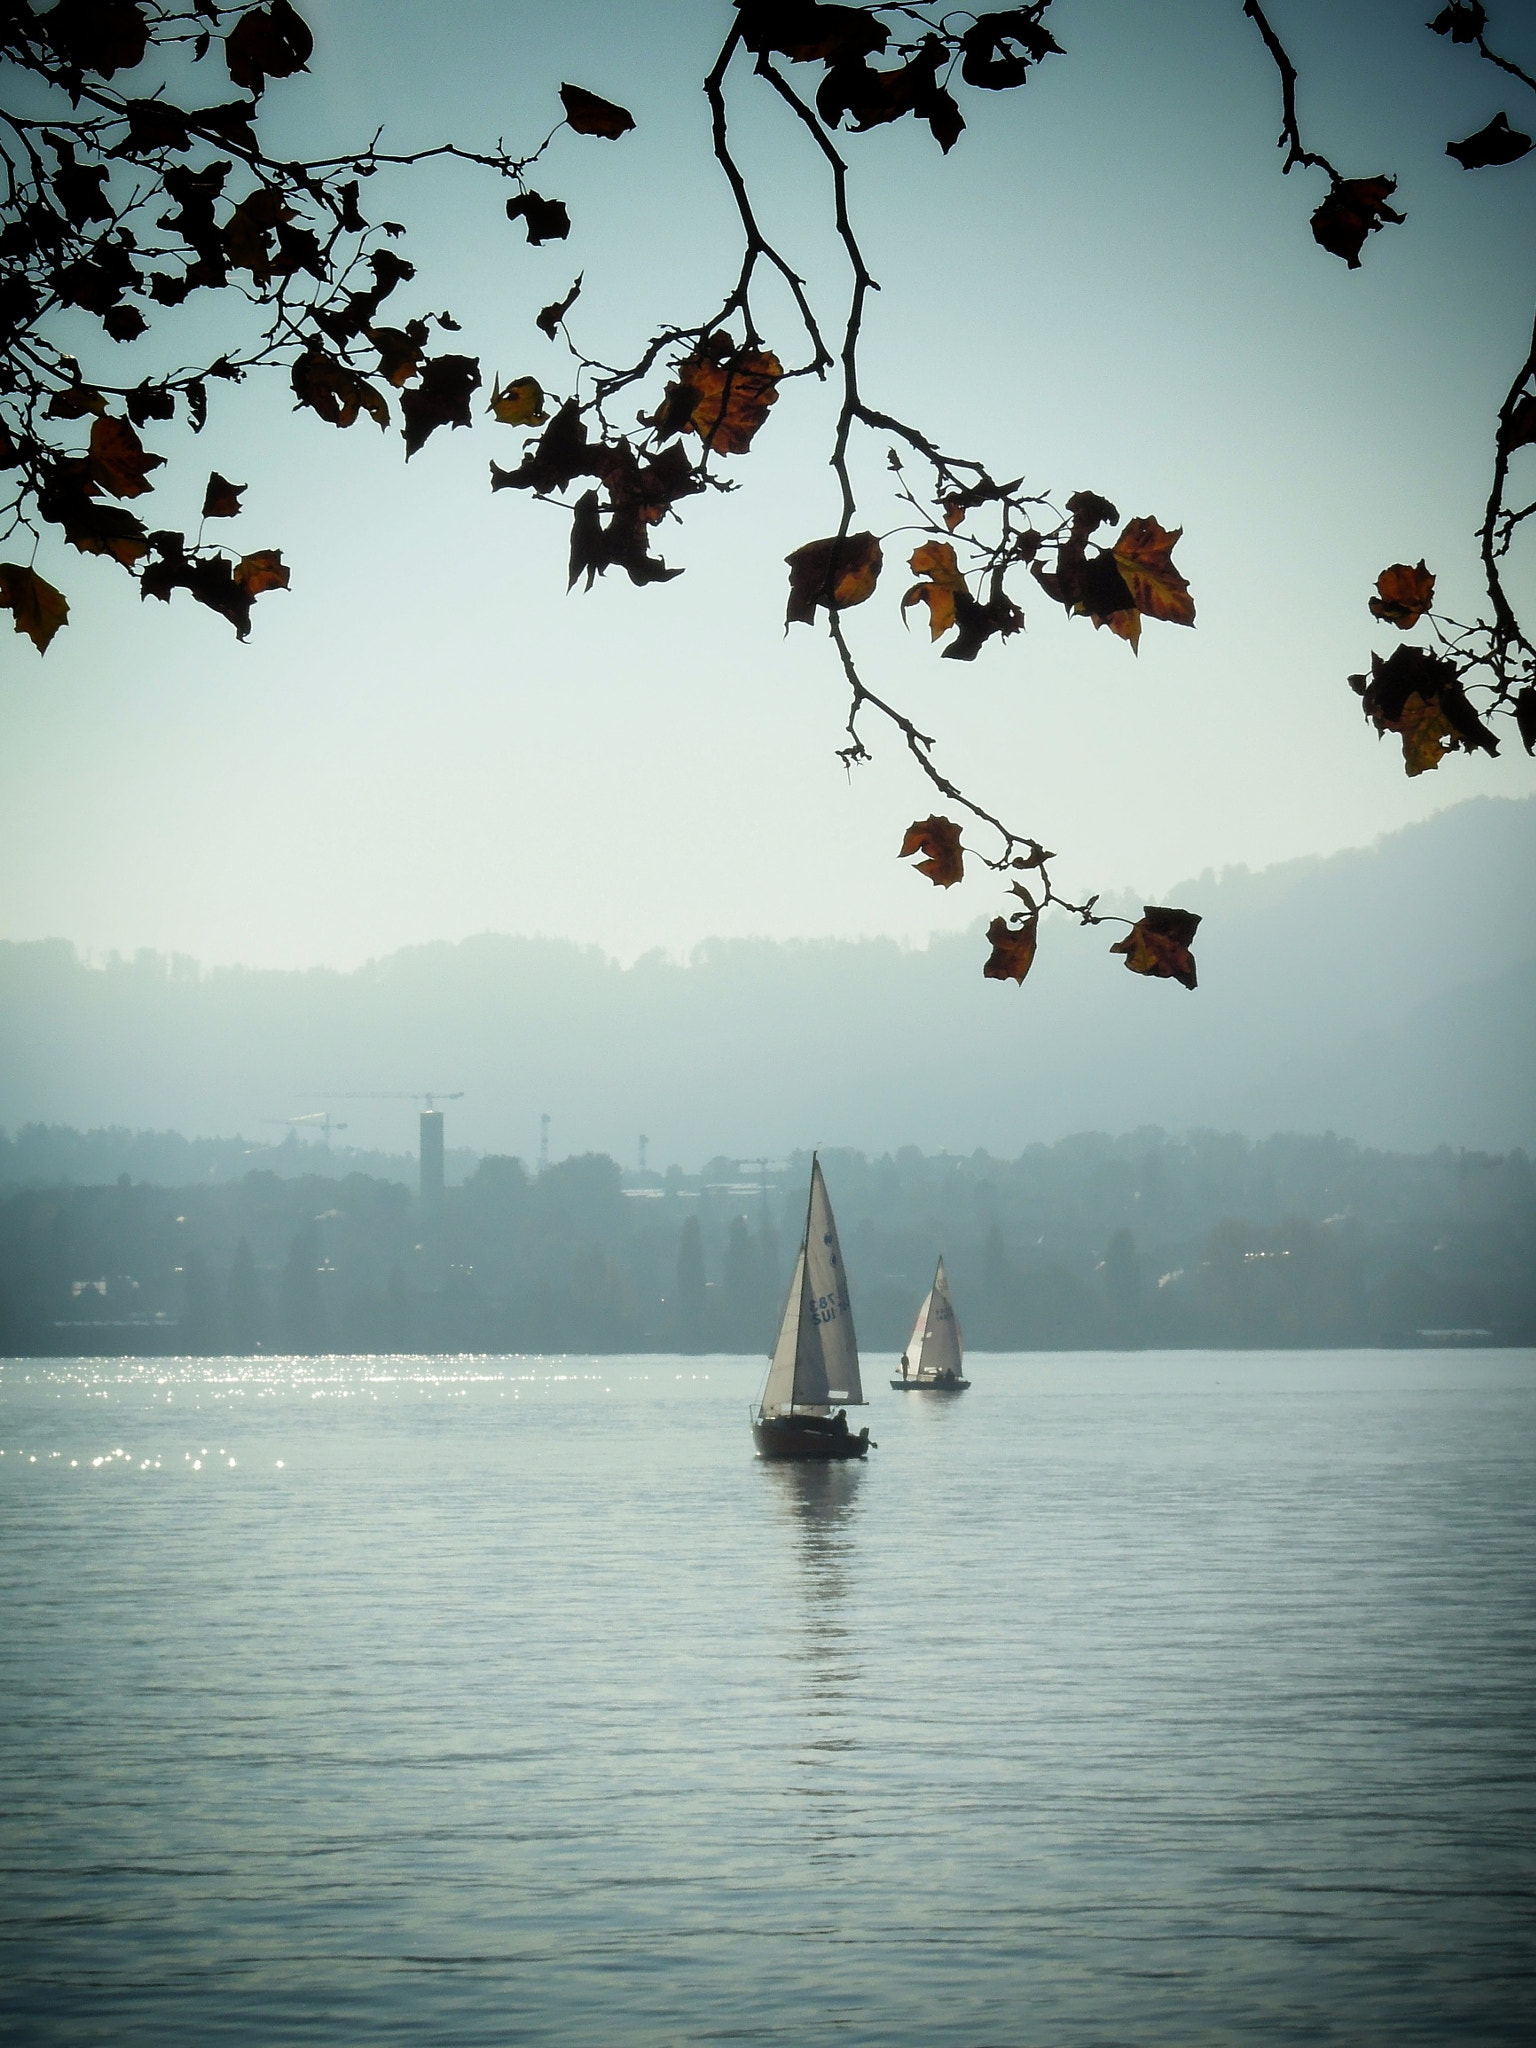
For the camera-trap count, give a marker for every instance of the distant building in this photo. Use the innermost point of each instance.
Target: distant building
(432, 1158)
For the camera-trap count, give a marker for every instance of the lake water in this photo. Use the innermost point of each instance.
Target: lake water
(1154, 1699)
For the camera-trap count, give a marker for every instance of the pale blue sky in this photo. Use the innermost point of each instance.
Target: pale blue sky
(1107, 284)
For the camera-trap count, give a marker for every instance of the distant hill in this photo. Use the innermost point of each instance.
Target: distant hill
(1386, 993)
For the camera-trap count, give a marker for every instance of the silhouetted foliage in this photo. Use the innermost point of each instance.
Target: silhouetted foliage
(139, 179)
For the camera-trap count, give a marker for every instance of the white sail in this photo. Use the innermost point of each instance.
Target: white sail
(826, 1287)
(936, 1347)
(779, 1392)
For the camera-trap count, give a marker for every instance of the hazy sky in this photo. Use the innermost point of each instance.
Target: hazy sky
(1107, 284)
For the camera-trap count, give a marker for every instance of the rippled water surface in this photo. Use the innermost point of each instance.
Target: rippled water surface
(1157, 1699)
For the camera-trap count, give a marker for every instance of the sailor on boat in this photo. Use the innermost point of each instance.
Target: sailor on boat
(816, 1359)
(936, 1345)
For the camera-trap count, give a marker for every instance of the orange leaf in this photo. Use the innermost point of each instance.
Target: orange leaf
(939, 839)
(935, 559)
(265, 570)
(835, 573)
(722, 394)
(39, 610)
(1013, 946)
(589, 115)
(1404, 595)
(1158, 944)
(1143, 555)
(118, 461)
(221, 500)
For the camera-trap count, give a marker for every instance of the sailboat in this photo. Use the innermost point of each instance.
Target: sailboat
(932, 1360)
(815, 1363)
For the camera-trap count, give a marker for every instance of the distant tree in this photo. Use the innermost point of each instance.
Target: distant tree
(1122, 1280)
(689, 1293)
(303, 1316)
(201, 1324)
(243, 1308)
(746, 1289)
(140, 180)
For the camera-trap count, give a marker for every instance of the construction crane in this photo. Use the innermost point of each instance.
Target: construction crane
(321, 1119)
(426, 1095)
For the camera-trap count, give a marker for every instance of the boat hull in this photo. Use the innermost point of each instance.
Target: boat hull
(911, 1386)
(807, 1437)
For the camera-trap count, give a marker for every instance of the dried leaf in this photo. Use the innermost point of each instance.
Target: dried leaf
(334, 391)
(1525, 717)
(1419, 696)
(1158, 944)
(37, 608)
(624, 543)
(1355, 208)
(935, 559)
(979, 622)
(441, 399)
(1427, 734)
(989, 61)
(835, 573)
(551, 316)
(546, 219)
(1143, 555)
(808, 33)
(1013, 942)
(264, 570)
(402, 350)
(722, 394)
(1498, 143)
(1462, 20)
(269, 42)
(521, 404)
(118, 460)
(870, 98)
(589, 115)
(104, 36)
(1404, 595)
(939, 840)
(221, 500)
(75, 403)
(1522, 422)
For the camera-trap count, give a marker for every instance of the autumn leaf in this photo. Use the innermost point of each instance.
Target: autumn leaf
(1522, 422)
(1404, 595)
(551, 315)
(401, 351)
(870, 98)
(75, 403)
(808, 33)
(1462, 20)
(1013, 942)
(37, 608)
(93, 528)
(118, 461)
(589, 115)
(939, 840)
(978, 622)
(269, 42)
(935, 559)
(221, 500)
(1525, 717)
(624, 543)
(722, 394)
(1497, 143)
(1158, 944)
(264, 570)
(441, 399)
(521, 404)
(835, 573)
(1355, 208)
(989, 62)
(228, 588)
(1419, 696)
(545, 219)
(104, 36)
(335, 392)
(1143, 555)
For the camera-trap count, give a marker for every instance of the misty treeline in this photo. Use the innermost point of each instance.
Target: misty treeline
(1094, 1242)
(141, 181)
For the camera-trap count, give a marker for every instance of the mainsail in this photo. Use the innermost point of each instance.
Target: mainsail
(935, 1348)
(816, 1359)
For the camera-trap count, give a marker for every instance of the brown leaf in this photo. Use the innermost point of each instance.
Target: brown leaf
(118, 461)
(441, 399)
(551, 316)
(870, 98)
(521, 404)
(624, 543)
(1525, 717)
(95, 529)
(808, 33)
(1158, 944)
(38, 609)
(935, 559)
(104, 36)
(545, 219)
(264, 570)
(269, 42)
(1143, 555)
(75, 403)
(589, 115)
(1419, 696)
(1013, 942)
(1498, 143)
(978, 622)
(1404, 595)
(722, 394)
(401, 351)
(835, 573)
(221, 500)
(328, 387)
(990, 62)
(1355, 208)
(939, 840)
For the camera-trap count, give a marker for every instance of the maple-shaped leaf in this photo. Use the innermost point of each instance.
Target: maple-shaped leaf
(978, 622)
(623, 542)
(551, 315)
(221, 500)
(935, 560)
(402, 351)
(808, 33)
(263, 570)
(1158, 944)
(66, 500)
(938, 839)
(1497, 143)
(869, 98)
(1525, 717)
(545, 219)
(441, 399)
(124, 323)
(835, 573)
(118, 460)
(988, 59)
(104, 36)
(37, 609)
(1355, 208)
(1013, 942)
(338, 394)
(154, 125)
(1419, 696)
(589, 115)
(722, 394)
(75, 403)
(1143, 555)
(560, 455)
(521, 404)
(269, 42)
(1403, 595)
(1463, 21)
(249, 231)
